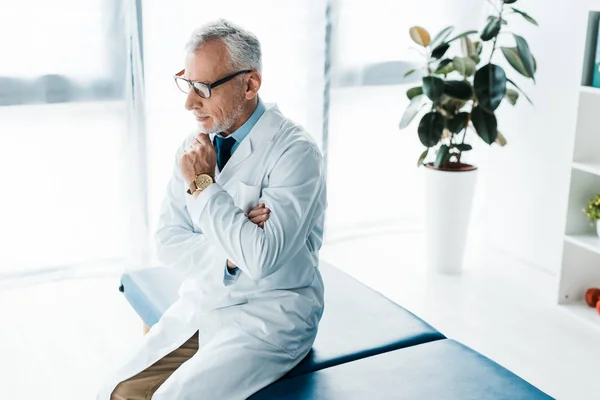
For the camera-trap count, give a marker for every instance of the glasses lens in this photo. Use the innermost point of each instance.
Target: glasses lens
(182, 85)
(201, 89)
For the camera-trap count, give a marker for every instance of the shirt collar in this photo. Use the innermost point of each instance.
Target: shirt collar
(245, 129)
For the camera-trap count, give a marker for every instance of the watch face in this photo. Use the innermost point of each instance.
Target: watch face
(203, 181)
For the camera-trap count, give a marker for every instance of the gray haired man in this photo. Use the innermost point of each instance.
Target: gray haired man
(242, 223)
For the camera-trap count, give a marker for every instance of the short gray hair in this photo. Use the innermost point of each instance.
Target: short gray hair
(244, 47)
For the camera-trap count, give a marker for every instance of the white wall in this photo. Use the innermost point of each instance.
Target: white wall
(527, 181)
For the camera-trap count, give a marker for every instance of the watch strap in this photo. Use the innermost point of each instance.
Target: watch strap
(192, 185)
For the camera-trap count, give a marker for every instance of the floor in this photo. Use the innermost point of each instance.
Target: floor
(58, 339)
(498, 306)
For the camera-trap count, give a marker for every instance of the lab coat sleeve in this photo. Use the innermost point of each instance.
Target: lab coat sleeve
(295, 197)
(178, 245)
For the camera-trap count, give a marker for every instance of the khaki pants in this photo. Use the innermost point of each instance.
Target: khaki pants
(143, 385)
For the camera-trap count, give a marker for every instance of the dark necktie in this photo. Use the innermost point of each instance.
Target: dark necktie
(223, 148)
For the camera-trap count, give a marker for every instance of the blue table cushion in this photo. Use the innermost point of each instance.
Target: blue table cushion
(443, 369)
(150, 292)
(357, 322)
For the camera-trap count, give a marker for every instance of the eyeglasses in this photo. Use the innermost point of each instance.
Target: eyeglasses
(202, 89)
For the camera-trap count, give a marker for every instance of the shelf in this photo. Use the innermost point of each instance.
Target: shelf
(590, 89)
(582, 312)
(591, 167)
(589, 241)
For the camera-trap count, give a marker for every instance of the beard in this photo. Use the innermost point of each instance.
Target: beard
(227, 122)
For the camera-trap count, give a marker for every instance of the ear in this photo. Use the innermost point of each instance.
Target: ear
(254, 80)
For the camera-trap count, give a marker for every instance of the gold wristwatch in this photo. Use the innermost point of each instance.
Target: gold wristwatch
(201, 182)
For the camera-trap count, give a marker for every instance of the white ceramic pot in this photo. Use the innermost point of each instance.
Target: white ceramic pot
(448, 202)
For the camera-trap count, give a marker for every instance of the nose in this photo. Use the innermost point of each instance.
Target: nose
(192, 100)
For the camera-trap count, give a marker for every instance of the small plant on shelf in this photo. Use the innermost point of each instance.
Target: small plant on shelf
(592, 211)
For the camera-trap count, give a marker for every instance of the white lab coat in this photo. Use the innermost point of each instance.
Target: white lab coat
(256, 328)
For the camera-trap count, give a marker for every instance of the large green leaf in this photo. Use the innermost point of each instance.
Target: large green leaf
(492, 29)
(443, 155)
(467, 33)
(526, 16)
(431, 128)
(465, 66)
(452, 105)
(458, 89)
(411, 111)
(490, 86)
(514, 59)
(439, 51)
(422, 157)
(444, 67)
(512, 96)
(525, 54)
(413, 92)
(433, 87)
(519, 89)
(467, 46)
(459, 122)
(485, 124)
(440, 37)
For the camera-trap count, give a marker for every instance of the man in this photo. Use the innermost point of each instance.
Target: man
(252, 294)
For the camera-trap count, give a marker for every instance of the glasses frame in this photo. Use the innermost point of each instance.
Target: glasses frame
(198, 86)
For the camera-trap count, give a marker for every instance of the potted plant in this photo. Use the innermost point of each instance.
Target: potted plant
(593, 211)
(460, 92)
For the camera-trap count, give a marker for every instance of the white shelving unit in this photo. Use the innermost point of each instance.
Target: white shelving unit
(583, 312)
(580, 268)
(591, 167)
(590, 242)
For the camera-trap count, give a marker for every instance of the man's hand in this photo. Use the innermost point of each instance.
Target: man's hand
(259, 215)
(199, 158)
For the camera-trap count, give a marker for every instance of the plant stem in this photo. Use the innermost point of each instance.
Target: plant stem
(496, 37)
(464, 135)
(493, 5)
(427, 62)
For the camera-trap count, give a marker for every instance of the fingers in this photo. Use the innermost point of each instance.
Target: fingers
(259, 220)
(194, 146)
(203, 139)
(259, 210)
(259, 215)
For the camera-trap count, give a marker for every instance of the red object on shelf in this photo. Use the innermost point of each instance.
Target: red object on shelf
(592, 296)
(598, 307)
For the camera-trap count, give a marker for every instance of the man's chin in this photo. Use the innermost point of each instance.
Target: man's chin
(204, 126)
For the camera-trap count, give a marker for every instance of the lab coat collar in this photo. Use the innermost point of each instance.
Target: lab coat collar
(263, 131)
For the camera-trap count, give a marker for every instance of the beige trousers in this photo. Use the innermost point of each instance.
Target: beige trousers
(143, 385)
